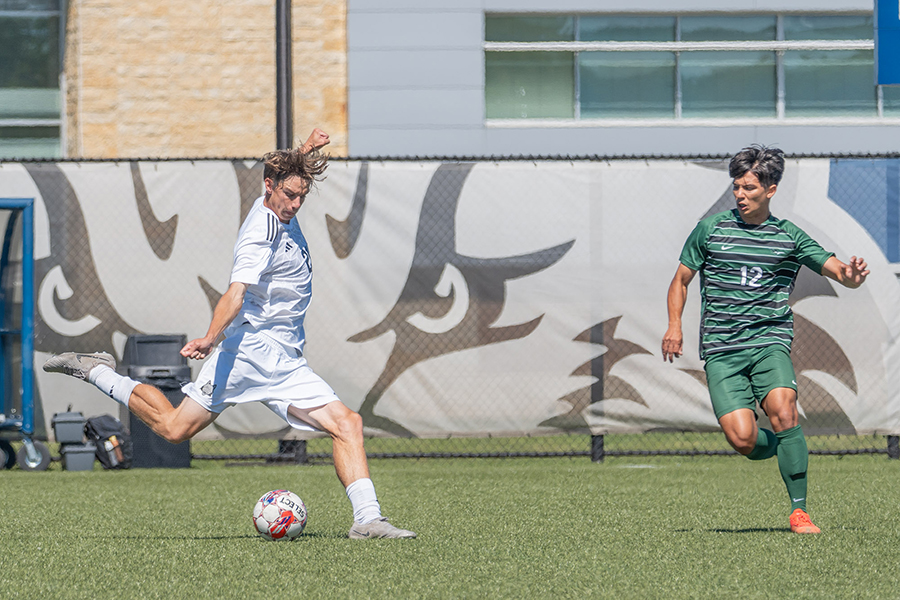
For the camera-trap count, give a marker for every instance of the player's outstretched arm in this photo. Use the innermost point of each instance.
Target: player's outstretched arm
(317, 139)
(673, 341)
(849, 275)
(228, 307)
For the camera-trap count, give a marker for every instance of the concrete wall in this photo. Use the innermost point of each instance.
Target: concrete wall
(416, 77)
(165, 78)
(416, 87)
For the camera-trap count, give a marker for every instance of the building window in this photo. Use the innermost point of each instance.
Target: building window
(685, 68)
(30, 59)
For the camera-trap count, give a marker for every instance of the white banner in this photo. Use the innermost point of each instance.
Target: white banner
(487, 298)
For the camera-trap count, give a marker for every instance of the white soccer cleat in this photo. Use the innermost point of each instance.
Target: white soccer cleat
(379, 528)
(77, 364)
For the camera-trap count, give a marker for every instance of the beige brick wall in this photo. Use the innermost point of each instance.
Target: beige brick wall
(319, 61)
(168, 78)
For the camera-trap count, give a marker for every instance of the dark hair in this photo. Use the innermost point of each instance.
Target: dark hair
(766, 163)
(281, 164)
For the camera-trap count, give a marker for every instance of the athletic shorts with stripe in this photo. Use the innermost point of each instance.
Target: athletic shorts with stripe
(741, 378)
(249, 366)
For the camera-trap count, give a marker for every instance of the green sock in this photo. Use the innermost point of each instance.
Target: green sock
(793, 460)
(766, 445)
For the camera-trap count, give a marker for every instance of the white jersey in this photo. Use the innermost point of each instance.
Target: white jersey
(261, 358)
(272, 258)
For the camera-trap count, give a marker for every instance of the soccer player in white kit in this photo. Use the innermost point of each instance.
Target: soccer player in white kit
(261, 358)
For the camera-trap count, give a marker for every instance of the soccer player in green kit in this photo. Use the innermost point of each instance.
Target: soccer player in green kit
(748, 261)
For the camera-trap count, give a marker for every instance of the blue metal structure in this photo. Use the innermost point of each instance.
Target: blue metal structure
(887, 42)
(32, 455)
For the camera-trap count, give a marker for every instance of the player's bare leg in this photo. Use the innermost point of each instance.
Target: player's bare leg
(740, 430)
(787, 443)
(174, 424)
(780, 405)
(149, 404)
(346, 430)
(352, 467)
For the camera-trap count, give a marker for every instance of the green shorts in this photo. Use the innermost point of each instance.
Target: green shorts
(741, 378)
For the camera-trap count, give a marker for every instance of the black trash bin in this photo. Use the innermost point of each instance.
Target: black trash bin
(156, 360)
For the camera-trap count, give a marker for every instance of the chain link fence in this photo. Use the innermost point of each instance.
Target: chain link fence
(478, 307)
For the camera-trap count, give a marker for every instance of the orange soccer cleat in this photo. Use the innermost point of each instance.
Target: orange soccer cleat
(800, 523)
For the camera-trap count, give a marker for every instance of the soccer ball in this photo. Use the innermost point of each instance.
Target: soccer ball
(279, 515)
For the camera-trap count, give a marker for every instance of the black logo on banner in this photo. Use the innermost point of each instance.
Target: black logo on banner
(427, 324)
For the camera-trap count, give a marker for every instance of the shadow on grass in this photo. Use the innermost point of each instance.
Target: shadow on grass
(756, 530)
(746, 530)
(279, 463)
(752, 530)
(303, 536)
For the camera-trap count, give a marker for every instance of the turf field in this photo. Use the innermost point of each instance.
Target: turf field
(705, 527)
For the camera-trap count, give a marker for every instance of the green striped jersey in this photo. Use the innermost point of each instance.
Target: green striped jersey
(747, 273)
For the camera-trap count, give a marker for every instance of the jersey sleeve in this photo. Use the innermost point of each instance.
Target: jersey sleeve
(693, 254)
(807, 251)
(253, 253)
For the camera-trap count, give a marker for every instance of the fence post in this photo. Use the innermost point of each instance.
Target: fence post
(597, 452)
(893, 446)
(295, 449)
(284, 89)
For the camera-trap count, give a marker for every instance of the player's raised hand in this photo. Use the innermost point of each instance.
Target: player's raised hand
(856, 272)
(850, 275)
(317, 139)
(672, 344)
(197, 349)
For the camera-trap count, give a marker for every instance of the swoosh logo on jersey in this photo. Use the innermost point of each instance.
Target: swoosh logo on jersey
(727, 246)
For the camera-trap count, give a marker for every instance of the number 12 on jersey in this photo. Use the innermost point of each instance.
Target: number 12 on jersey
(754, 274)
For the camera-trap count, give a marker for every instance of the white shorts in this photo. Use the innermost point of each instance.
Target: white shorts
(249, 366)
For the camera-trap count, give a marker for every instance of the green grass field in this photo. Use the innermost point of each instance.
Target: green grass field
(705, 527)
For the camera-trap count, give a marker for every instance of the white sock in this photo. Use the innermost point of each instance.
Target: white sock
(118, 387)
(365, 504)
